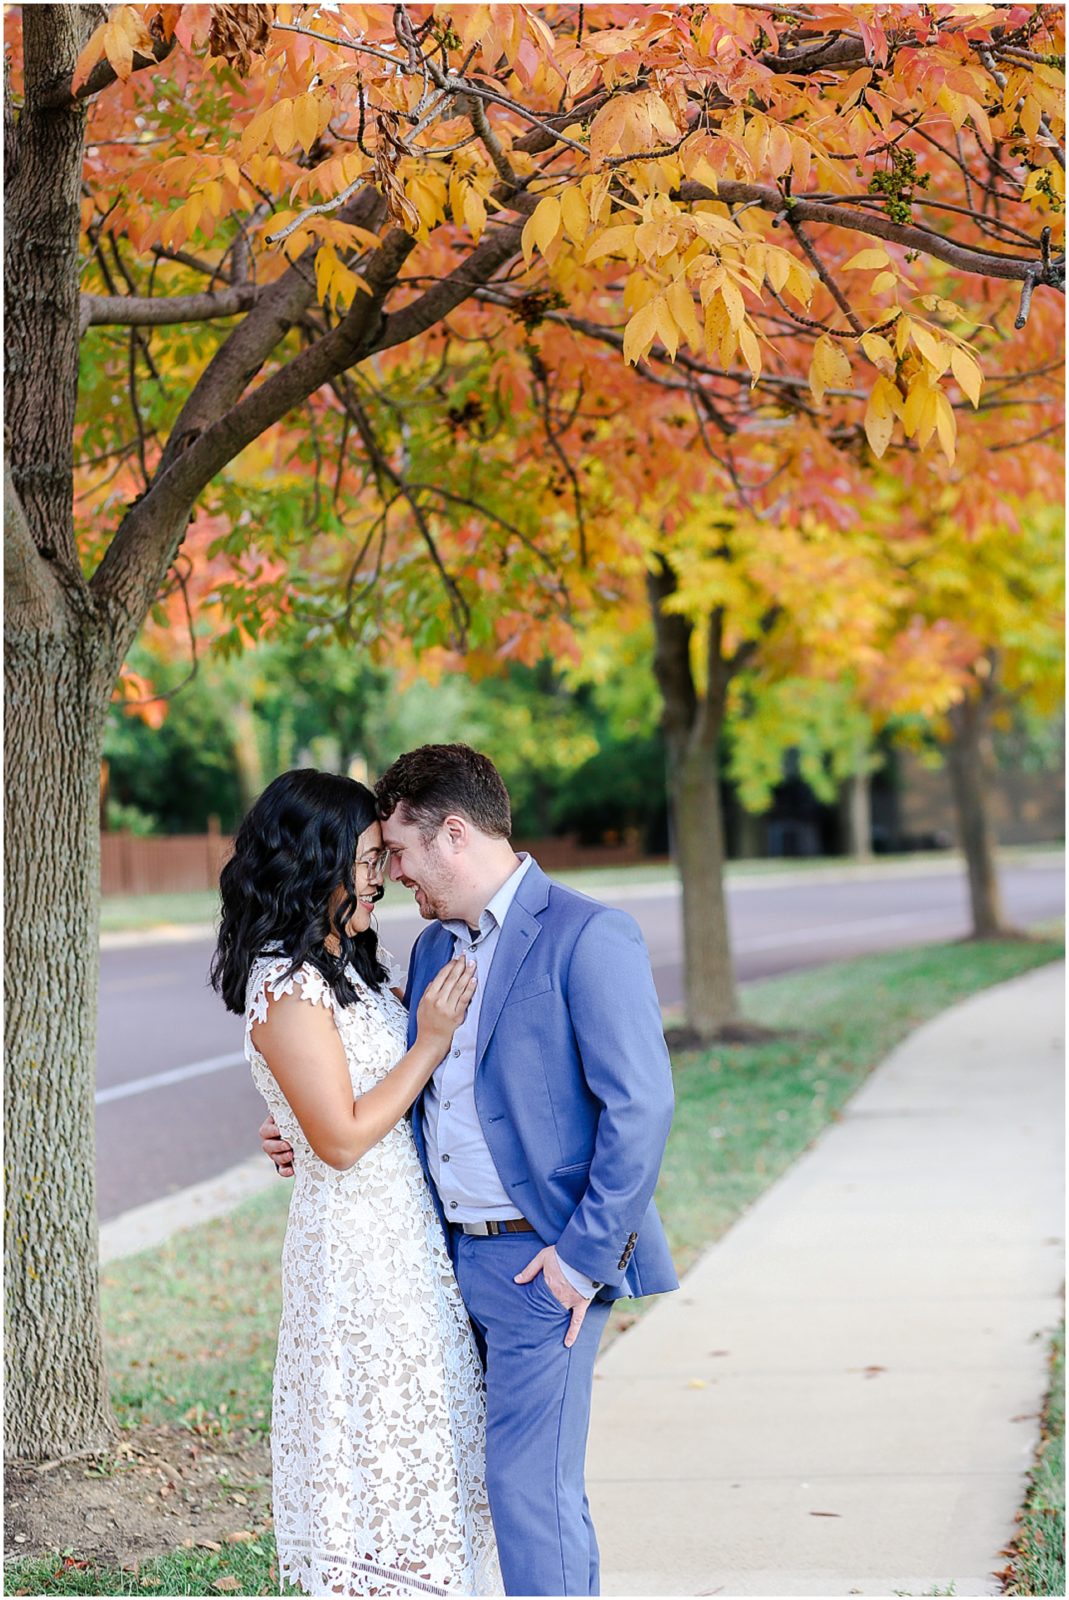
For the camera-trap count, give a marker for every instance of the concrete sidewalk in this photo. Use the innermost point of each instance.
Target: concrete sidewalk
(844, 1396)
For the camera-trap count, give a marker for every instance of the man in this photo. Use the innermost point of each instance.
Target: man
(542, 1133)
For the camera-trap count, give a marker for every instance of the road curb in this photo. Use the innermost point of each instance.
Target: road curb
(147, 1226)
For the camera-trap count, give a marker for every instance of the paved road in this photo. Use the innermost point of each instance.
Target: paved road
(175, 1102)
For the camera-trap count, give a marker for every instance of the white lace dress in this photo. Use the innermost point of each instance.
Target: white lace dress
(378, 1420)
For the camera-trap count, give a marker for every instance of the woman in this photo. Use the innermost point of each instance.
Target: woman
(378, 1423)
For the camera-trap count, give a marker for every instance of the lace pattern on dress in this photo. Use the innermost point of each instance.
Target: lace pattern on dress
(378, 1420)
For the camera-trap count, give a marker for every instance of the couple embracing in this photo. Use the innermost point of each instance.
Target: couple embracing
(446, 1276)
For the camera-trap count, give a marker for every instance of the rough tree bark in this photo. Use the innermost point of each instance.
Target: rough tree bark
(692, 722)
(971, 764)
(59, 667)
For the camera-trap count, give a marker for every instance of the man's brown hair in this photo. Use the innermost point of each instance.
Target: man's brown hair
(441, 780)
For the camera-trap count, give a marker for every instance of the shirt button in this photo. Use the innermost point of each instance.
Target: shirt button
(453, 1204)
(445, 1158)
(456, 1054)
(446, 1104)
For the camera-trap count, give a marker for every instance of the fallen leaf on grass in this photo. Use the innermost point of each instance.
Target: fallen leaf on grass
(244, 1536)
(208, 1544)
(227, 1584)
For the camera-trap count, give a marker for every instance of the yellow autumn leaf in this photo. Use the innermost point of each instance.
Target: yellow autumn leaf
(829, 369)
(475, 213)
(967, 372)
(326, 262)
(916, 399)
(884, 405)
(619, 240)
(879, 352)
(777, 268)
(734, 304)
(606, 128)
(684, 315)
(934, 351)
(929, 415)
(306, 120)
(256, 134)
(945, 424)
(751, 351)
(867, 261)
(640, 333)
(282, 126)
(667, 331)
(575, 213)
(541, 227)
(882, 282)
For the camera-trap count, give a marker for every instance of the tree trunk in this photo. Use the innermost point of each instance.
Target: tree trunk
(857, 814)
(692, 724)
(247, 757)
(55, 694)
(62, 649)
(712, 1003)
(971, 763)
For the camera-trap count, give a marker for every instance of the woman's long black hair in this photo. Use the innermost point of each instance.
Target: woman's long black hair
(295, 847)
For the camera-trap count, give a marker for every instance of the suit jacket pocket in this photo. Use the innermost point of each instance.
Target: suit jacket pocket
(528, 991)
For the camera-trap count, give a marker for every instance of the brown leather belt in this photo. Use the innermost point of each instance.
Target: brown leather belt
(490, 1230)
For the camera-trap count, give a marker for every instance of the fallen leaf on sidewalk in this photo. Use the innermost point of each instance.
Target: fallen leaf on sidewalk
(720, 1352)
(825, 1513)
(697, 1383)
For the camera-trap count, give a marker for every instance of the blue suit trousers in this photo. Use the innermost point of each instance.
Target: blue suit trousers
(537, 1416)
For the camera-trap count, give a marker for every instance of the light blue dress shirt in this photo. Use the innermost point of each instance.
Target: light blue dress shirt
(458, 1156)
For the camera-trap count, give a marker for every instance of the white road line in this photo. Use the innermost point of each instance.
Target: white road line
(160, 1080)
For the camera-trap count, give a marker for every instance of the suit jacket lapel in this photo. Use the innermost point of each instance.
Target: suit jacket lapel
(518, 933)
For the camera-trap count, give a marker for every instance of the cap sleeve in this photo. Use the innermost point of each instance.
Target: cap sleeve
(271, 978)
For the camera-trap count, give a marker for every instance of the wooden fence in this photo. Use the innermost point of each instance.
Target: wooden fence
(133, 865)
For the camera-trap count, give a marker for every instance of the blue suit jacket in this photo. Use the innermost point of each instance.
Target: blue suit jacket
(573, 1085)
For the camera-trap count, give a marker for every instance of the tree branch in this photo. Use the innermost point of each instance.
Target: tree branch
(489, 255)
(101, 77)
(278, 307)
(139, 555)
(157, 311)
(964, 258)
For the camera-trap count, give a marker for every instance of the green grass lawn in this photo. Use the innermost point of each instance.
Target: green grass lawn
(190, 1326)
(1037, 1565)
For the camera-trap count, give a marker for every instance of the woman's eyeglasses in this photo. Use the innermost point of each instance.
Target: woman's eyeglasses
(376, 863)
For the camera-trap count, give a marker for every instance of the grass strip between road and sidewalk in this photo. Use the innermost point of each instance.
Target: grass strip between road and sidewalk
(190, 1326)
(1037, 1556)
